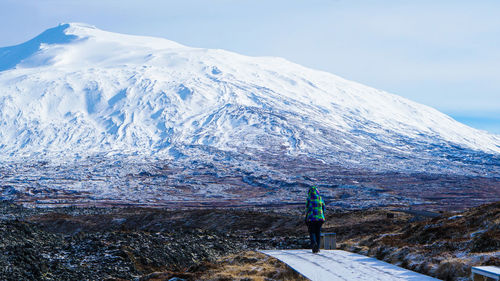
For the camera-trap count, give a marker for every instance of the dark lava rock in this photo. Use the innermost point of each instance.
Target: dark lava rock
(118, 244)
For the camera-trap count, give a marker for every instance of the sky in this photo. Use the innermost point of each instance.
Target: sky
(445, 54)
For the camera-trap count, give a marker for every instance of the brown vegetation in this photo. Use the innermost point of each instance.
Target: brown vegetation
(218, 244)
(445, 247)
(250, 266)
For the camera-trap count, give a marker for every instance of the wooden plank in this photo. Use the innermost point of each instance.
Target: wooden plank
(338, 265)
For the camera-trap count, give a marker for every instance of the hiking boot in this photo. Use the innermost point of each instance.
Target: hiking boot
(315, 249)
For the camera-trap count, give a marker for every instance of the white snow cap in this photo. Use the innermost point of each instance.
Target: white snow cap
(78, 89)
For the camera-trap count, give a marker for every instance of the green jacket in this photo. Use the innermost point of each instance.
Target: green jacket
(315, 206)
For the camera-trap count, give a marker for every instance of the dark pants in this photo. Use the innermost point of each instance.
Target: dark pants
(314, 228)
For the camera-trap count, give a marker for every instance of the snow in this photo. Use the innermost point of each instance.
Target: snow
(334, 265)
(491, 271)
(76, 90)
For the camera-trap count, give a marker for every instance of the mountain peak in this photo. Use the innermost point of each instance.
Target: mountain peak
(80, 42)
(11, 57)
(55, 35)
(78, 25)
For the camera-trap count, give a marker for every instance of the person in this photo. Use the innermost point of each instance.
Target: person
(315, 217)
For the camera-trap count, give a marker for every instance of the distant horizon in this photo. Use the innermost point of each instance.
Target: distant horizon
(489, 124)
(444, 55)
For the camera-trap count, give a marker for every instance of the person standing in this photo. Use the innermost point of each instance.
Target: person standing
(315, 217)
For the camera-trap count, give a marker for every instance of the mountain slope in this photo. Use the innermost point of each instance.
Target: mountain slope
(76, 91)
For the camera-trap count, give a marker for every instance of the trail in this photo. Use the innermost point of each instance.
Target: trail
(336, 265)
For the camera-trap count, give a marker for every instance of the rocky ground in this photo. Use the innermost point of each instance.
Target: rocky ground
(263, 180)
(137, 243)
(220, 244)
(444, 247)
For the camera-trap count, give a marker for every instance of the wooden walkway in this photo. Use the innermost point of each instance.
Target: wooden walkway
(333, 265)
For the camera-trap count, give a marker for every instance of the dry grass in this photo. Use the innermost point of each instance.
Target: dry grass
(245, 266)
(452, 269)
(251, 266)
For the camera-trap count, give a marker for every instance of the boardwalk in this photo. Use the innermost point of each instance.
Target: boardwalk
(333, 265)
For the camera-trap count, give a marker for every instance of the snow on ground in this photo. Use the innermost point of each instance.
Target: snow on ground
(333, 265)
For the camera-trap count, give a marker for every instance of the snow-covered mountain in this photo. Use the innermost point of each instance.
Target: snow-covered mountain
(75, 91)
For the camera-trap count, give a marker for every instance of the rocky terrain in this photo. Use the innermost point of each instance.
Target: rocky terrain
(132, 244)
(260, 181)
(445, 247)
(219, 244)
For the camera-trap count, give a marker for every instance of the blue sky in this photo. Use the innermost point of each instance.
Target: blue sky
(445, 54)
